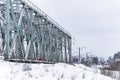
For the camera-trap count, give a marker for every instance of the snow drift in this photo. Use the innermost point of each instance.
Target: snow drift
(60, 71)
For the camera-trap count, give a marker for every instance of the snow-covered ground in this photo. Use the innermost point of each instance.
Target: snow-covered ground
(60, 71)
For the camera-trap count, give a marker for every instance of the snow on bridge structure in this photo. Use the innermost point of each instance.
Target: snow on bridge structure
(27, 33)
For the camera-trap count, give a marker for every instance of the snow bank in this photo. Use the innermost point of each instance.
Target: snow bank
(60, 71)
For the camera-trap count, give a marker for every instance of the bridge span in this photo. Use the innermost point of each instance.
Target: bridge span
(27, 33)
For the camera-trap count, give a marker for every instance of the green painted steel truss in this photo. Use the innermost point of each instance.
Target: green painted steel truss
(28, 33)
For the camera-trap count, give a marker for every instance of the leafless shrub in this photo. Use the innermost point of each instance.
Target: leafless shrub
(26, 67)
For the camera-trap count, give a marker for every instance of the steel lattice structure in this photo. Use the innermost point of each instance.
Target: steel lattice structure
(28, 33)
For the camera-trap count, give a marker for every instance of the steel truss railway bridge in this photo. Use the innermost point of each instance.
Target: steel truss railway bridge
(27, 33)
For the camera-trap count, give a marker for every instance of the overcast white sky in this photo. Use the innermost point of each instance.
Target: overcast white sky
(93, 23)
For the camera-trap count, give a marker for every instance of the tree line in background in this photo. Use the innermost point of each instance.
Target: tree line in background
(112, 63)
(88, 60)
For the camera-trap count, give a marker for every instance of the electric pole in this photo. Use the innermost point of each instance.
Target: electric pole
(79, 55)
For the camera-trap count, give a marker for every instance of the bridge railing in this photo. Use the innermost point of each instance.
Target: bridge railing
(34, 7)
